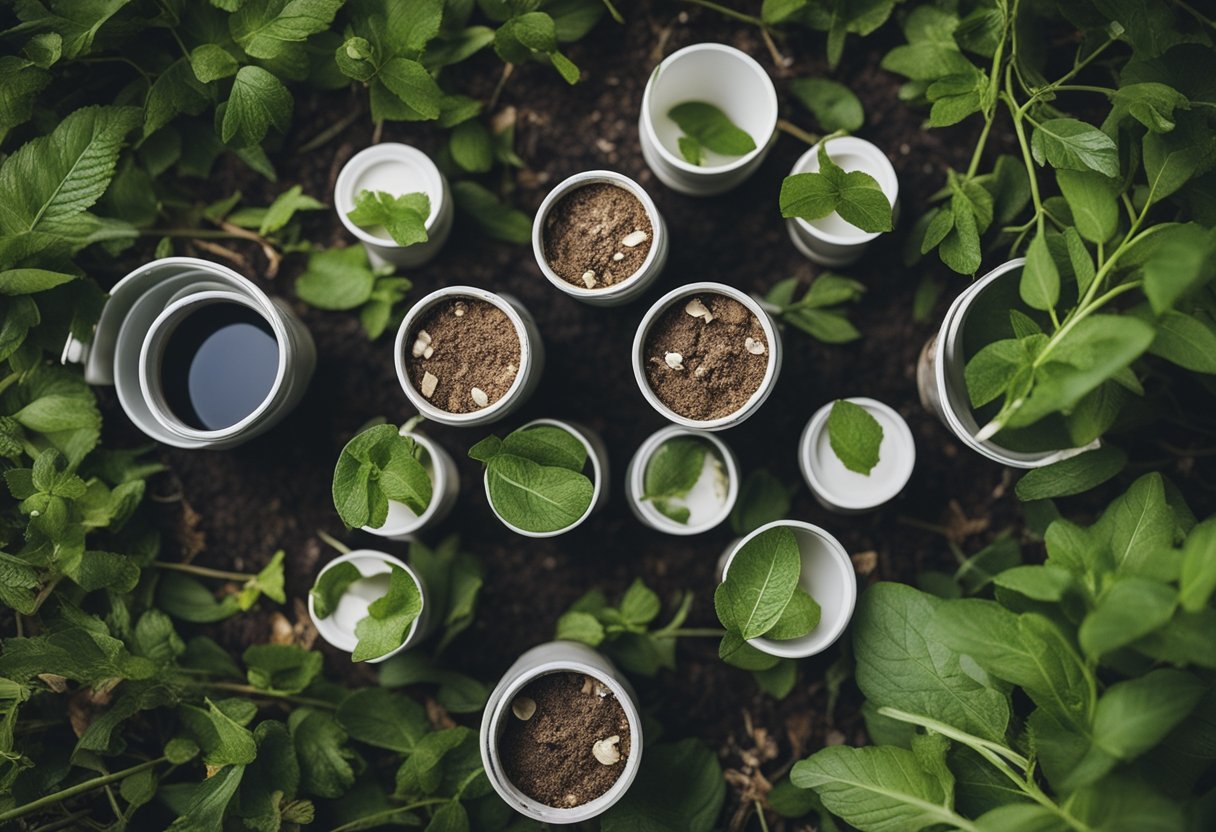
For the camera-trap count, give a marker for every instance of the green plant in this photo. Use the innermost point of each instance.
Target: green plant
(376, 466)
(1069, 702)
(672, 472)
(833, 104)
(343, 278)
(855, 195)
(535, 477)
(389, 617)
(821, 311)
(403, 217)
(855, 436)
(706, 127)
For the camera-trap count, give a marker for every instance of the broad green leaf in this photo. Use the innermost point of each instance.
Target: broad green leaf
(211, 62)
(1185, 340)
(640, 605)
(990, 371)
(186, 598)
(1074, 145)
(712, 128)
(1040, 282)
(1140, 525)
(267, 28)
(800, 616)
(383, 719)
(1045, 582)
(388, 618)
(1172, 159)
(537, 498)
(31, 281)
(208, 801)
(284, 208)
(1198, 580)
(497, 221)
(258, 101)
(927, 61)
(471, 147)
(413, 86)
(855, 196)
(1074, 475)
(675, 467)
(834, 105)
(1178, 264)
(1150, 103)
(1094, 201)
(547, 445)
(281, 668)
(325, 761)
(224, 740)
(1132, 607)
(760, 582)
(855, 436)
(337, 278)
(736, 652)
(580, 626)
(1134, 715)
(403, 217)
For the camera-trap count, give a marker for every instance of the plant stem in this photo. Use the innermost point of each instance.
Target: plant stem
(387, 813)
(690, 632)
(250, 690)
(797, 132)
(201, 571)
(191, 233)
(729, 12)
(333, 541)
(959, 736)
(760, 815)
(79, 788)
(1107, 91)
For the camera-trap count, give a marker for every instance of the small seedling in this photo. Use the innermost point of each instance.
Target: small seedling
(388, 618)
(855, 195)
(821, 312)
(708, 128)
(672, 472)
(855, 436)
(343, 278)
(376, 466)
(403, 217)
(535, 476)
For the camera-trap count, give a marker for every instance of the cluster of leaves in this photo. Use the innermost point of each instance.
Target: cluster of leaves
(672, 472)
(1080, 698)
(389, 617)
(623, 631)
(535, 477)
(706, 127)
(855, 196)
(821, 311)
(836, 18)
(343, 278)
(855, 436)
(378, 465)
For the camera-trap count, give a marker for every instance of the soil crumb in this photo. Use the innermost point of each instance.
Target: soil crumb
(463, 355)
(593, 236)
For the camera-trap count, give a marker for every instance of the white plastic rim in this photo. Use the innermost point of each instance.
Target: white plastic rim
(531, 357)
(831, 240)
(597, 458)
(557, 657)
(397, 169)
(720, 75)
(338, 628)
(635, 482)
(827, 576)
(404, 524)
(944, 389)
(841, 490)
(632, 286)
(757, 398)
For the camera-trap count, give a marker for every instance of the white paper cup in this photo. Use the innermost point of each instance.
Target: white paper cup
(943, 386)
(848, 492)
(730, 80)
(597, 458)
(402, 523)
(827, 576)
(397, 169)
(706, 507)
(126, 347)
(338, 628)
(557, 657)
(531, 357)
(831, 241)
(633, 286)
(772, 371)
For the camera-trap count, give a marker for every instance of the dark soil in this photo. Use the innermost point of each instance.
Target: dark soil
(242, 505)
(473, 345)
(549, 756)
(583, 233)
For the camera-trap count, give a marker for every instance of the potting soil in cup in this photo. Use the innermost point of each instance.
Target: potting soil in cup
(463, 354)
(597, 236)
(219, 365)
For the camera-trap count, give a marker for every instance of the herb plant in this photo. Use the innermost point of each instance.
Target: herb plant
(535, 477)
(706, 127)
(388, 618)
(343, 278)
(855, 436)
(855, 195)
(376, 466)
(821, 311)
(672, 472)
(403, 217)
(833, 104)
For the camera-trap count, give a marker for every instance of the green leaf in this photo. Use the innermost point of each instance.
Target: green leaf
(736, 652)
(211, 62)
(1041, 583)
(1135, 715)
(800, 616)
(640, 605)
(1140, 525)
(284, 208)
(679, 787)
(258, 101)
(547, 445)
(855, 436)
(18, 584)
(471, 147)
(674, 468)
(497, 220)
(1040, 281)
(1185, 340)
(1093, 199)
(1132, 607)
(414, 86)
(1172, 159)
(691, 149)
(388, 618)
(1074, 145)
(186, 598)
(1178, 264)
(337, 278)
(267, 29)
(855, 196)
(834, 105)
(712, 128)
(403, 217)
(762, 499)
(383, 719)
(331, 585)
(208, 801)
(1198, 579)
(537, 498)
(224, 740)
(580, 626)
(281, 668)
(759, 583)
(325, 761)
(1150, 103)
(31, 281)
(1074, 475)
(989, 372)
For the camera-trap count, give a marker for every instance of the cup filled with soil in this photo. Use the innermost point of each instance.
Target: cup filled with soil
(369, 604)
(599, 238)
(682, 481)
(393, 199)
(546, 478)
(561, 737)
(466, 356)
(706, 356)
(738, 94)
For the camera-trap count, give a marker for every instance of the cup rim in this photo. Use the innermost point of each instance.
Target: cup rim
(374, 154)
(336, 637)
(886, 177)
(637, 476)
(597, 479)
(175, 313)
(439, 479)
(741, 161)
(571, 184)
(758, 396)
(883, 494)
(480, 416)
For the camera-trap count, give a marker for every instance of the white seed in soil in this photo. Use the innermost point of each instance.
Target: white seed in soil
(589, 279)
(601, 690)
(753, 346)
(698, 310)
(421, 341)
(570, 800)
(700, 371)
(674, 360)
(588, 684)
(428, 352)
(460, 309)
(523, 707)
(606, 750)
(618, 257)
(634, 238)
(429, 380)
(479, 397)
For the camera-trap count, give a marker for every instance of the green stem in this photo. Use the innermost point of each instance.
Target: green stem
(333, 541)
(78, 789)
(201, 571)
(760, 815)
(797, 132)
(358, 823)
(994, 86)
(729, 12)
(957, 735)
(250, 690)
(1107, 91)
(690, 632)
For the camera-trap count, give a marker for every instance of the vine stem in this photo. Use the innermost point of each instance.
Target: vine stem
(79, 788)
(250, 690)
(357, 823)
(797, 132)
(201, 571)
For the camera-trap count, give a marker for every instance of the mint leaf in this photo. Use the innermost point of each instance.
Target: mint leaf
(496, 220)
(584, 627)
(762, 578)
(211, 62)
(331, 585)
(337, 278)
(403, 217)
(855, 196)
(471, 147)
(691, 149)
(414, 87)
(1040, 282)
(1074, 475)
(285, 207)
(376, 466)
(833, 104)
(268, 29)
(855, 436)
(537, 498)
(383, 719)
(800, 616)
(388, 618)
(712, 128)
(1074, 145)
(546, 445)
(281, 668)
(258, 102)
(674, 468)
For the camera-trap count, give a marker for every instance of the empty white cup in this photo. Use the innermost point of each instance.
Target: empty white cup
(707, 508)
(848, 492)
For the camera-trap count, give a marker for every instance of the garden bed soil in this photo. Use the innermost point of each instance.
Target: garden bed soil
(233, 509)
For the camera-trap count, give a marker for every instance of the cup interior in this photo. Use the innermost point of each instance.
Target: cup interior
(394, 168)
(851, 154)
(718, 75)
(706, 507)
(338, 628)
(848, 489)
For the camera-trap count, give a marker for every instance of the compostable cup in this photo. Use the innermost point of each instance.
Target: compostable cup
(557, 657)
(772, 371)
(730, 80)
(827, 576)
(706, 507)
(402, 523)
(338, 628)
(848, 492)
(531, 357)
(597, 458)
(397, 169)
(637, 283)
(832, 241)
(943, 361)
(142, 311)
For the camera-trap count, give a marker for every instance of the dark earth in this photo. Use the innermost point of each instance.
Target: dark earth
(233, 509)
